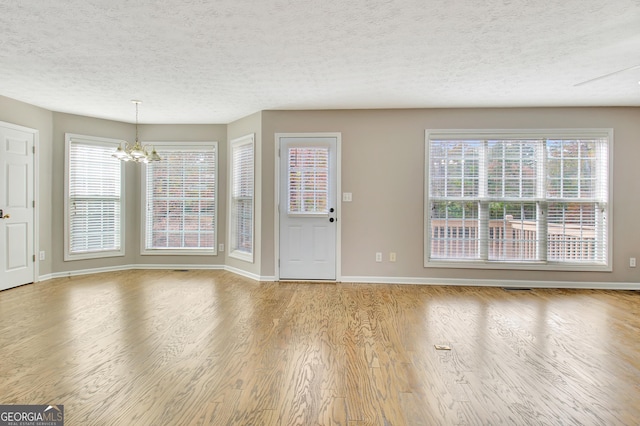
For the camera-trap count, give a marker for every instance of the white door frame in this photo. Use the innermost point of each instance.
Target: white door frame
(276, 191)
(36, 193)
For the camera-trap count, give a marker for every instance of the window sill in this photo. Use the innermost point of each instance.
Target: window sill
(529, 266)
(246, 257)
(69, 257)
(178, 252)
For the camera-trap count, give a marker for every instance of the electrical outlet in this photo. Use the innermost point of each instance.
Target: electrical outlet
(378, 257)
(347, 197)
(632, 262)
(42, 255)
(220, 247)
(392, 257)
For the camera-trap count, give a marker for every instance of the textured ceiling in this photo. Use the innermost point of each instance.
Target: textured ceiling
(198, 61)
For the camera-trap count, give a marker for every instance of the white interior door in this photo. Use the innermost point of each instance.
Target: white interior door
(17, 265)
(308, 208)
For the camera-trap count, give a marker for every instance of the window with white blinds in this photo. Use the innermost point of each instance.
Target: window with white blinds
(94, 198)
(179, 199)
(536, 199)
(308, 185)
(241, 198)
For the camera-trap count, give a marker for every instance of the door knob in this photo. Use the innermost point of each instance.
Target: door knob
(6, 216)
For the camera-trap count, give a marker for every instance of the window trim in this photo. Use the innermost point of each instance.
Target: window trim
(101, 141)
(178, 146)
(233, 252)
(518, 134)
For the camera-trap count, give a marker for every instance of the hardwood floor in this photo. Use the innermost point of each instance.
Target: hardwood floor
(209, 347)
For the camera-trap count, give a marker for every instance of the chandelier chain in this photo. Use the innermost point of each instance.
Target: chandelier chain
(137, 121)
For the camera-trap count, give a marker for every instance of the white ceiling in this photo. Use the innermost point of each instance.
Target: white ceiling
(204, 61)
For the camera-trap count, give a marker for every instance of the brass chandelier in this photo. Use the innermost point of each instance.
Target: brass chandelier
(137, 153)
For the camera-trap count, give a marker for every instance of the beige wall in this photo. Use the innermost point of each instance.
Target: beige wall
(383, 166)
(22, 114)
(68, 123)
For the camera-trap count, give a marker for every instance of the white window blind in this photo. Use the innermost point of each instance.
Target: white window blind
(538, 198)
(180, 200)
(242, 194)
(94, 198)
(308, 180)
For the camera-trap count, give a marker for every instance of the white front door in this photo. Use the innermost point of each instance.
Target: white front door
(308, 207)
(17, 265)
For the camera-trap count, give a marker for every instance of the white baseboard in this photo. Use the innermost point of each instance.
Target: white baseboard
(493, 283)
(78, 272)
(175, 266)
(126, 268)
(242, 273)
(371, 280)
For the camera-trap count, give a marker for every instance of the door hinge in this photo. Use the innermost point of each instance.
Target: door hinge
(34, 203)
(34, 257)
(33, 148)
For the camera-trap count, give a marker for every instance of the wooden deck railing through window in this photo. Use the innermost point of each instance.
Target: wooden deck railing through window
(511, 239)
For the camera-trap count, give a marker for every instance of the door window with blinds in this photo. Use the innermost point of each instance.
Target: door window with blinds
(179, 199)
(308, 182)
(94, 201)
(241, 198)
(509, 199)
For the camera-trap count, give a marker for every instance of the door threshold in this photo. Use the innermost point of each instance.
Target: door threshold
(308, 281)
